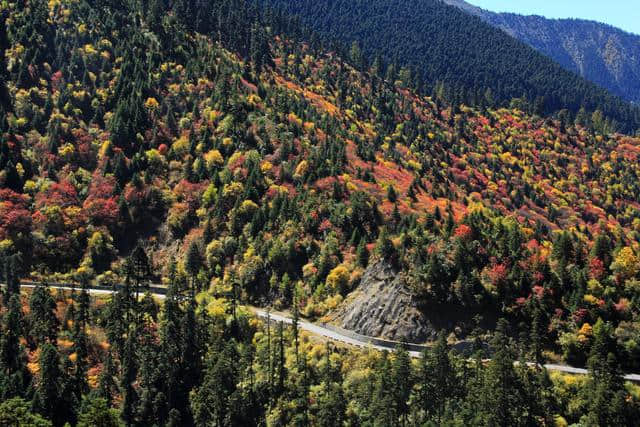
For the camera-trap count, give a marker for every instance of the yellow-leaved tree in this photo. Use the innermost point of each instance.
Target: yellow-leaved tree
(338, 279)
(626, 264)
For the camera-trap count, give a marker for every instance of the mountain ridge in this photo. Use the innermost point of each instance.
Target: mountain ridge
(600, 52)
(457, 55)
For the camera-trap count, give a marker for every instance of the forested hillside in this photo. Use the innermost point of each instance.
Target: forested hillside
(457, 55)
(212, 148)
(599, 52)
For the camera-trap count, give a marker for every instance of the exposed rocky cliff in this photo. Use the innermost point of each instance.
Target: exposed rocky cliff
(383, 307)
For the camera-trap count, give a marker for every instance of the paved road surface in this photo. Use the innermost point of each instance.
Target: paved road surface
(336, 336)
(327, 333)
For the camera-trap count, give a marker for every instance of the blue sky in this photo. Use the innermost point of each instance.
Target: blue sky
(623, 14)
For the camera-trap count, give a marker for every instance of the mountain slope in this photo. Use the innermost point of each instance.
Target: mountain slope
(444, 44)
(207, 147)
(599, 52)
(287, 173)
(286, 168)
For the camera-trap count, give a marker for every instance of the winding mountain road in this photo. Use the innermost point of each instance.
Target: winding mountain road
(325, 332)
(329, 333)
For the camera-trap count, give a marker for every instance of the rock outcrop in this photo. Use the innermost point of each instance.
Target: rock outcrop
(382, 306)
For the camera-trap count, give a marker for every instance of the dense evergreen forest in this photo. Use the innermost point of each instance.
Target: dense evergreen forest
(601, 53)
(221, 151)
(129, 362)
(458, 56)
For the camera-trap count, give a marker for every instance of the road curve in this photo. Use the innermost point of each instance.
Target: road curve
(327, 333)
(330, 334)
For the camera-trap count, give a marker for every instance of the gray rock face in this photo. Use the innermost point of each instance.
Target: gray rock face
(383, 307)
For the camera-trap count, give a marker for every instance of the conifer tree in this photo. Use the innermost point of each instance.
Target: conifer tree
(14, 376)
(140, 269)
(149, 379)
(11, 266)
(192, 264)
(362, 255)
(42, 316)
(5, 104)
(190, 361)
(80, 342)
(107, 385)
(210, 402)
(602, 249)
(536, 335)
(115, 319)
(391, 194)
(280, 357)
(128, 376)
(383, 409)
(95, 412)
(402, 376)
(502, 388)
(16, 412)
(295, 323)
(437, 380)
(170, 340)
(606, 395)
(385, 248)
(47, 398)
(331, 401)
